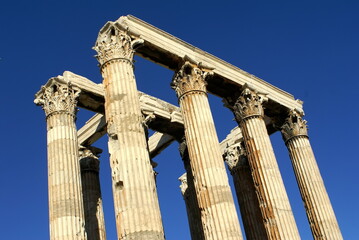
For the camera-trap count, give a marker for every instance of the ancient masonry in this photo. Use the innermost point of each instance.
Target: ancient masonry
(125, 114)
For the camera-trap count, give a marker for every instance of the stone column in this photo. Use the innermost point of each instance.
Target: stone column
(193, 211)
(273, 200)
(218, 213)
(149, 118)
(319, 210)
(94, 218)
(237, 162)
(134, 189)
(189, 195)
(58, 99)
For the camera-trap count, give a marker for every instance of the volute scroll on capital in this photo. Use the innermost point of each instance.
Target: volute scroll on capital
(235, 157)
(114, 42)
(249, 104)
(184, 183)
(58, 97)
(294, 126)
(190, 78)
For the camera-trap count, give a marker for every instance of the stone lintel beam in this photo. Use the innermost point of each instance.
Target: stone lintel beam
(92, 97)
(234, 137)
(167, 50)
(168, 118)
(95, 128)
(158, 142)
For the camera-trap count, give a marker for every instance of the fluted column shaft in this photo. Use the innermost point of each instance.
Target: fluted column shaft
(321, 217)
(237, 162)
(218, 213)
(67, 222)
(274, 203)
(193, 211)
(189, 195)
(94, 217)
(134, 189)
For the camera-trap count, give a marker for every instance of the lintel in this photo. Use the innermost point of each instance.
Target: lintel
(167, 50)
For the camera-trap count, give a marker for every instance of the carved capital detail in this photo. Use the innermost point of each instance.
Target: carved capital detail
(58, 97)
(190, 78)
(235, 157)
(115, 43)
(88, 160)
(249, 104)
(184, 184)
(294, 126)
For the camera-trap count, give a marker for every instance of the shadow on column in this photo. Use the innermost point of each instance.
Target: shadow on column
(190, 197)
(94, 220)
(237, 161)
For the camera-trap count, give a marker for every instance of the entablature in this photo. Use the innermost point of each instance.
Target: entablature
(168, 117)
(169, 51)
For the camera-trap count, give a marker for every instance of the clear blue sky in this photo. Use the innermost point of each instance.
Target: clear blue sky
(307, 48)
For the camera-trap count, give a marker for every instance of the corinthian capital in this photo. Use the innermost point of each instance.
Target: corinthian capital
(189, 78)
(114, 43)
(184, 184)
(249, 104)
(235, 157)
(294, 125)
(89, 160)
(58, 97)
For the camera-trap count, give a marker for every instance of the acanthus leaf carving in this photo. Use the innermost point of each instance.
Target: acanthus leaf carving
(184, 184)
(294, 125)
(235, 157)
(115, 43)
(58, 97)
(190, 78)
(249, 104)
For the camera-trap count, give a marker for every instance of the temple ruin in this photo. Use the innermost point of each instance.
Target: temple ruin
(125, 114)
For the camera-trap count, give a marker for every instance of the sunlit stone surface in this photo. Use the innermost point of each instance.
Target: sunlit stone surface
(125, 114)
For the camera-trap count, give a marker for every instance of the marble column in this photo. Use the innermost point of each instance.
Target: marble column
(237, 162)
(189, 196)
(150, 117)
(319, 210)
(91, 190)
(59, 100)
(193, 212)
(218, 213)
(134, 189)
(273, 200)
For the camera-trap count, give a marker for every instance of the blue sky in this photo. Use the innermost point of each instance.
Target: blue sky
(307, 48)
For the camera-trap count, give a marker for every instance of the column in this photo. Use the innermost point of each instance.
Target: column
(319, 210)
(273, 200)
(94, 218)
(134, 189)
(218, 213)
(189, 196)
(154, 164)
(237, 162)
(59, 100)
